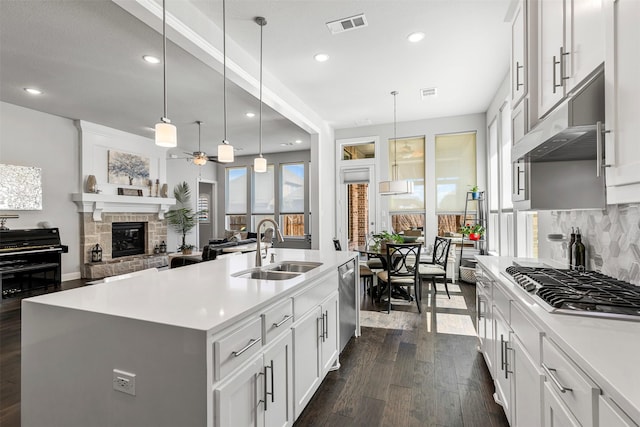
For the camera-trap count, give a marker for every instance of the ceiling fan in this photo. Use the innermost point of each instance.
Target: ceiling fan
(199, 157)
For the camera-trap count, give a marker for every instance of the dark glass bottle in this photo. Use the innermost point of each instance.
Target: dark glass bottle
(579, 252)
(571, 243)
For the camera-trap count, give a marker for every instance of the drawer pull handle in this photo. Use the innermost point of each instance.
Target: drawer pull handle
(252, 342)
(326, 327)
(283, 321)
(551, 374)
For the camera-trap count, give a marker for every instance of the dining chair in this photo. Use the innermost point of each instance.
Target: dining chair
(402, 270)
(437, 268)
(365, 273)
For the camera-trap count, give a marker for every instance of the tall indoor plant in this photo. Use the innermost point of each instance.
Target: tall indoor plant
(181, 217)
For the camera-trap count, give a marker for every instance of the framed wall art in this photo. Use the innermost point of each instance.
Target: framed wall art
(20, 188)
(127, 168)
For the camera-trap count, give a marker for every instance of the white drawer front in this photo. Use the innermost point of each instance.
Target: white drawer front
(277, 320)
(611, 416)
(502, 301)
(528, 333)
(580, 392)
(234, 349)
(313, 296)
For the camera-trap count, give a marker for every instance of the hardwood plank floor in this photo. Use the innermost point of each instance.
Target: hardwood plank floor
(427, 373)
(417, 375)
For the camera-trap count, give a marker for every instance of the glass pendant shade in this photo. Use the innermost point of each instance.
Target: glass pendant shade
(166, 135)
(402, 186)
(225, 153)
(260, 164)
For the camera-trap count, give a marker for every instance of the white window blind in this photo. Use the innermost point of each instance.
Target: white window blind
(409, 159)
(292, 188)
(455, 170)
(236, 190)
(264, 191)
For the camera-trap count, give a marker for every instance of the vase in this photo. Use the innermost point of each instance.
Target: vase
(186, 251)
(164, 192)
(474, 236)
(91, 184)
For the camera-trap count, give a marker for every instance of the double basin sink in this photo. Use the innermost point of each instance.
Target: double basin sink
(280, 271)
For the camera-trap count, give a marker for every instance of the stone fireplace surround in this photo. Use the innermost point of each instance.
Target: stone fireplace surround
(93, 232)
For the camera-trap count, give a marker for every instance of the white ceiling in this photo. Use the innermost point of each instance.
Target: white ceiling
(86, 57)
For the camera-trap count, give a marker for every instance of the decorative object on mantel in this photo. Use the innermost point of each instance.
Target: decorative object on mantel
(163, 246)
(166, 133)
(181, 217)
(96, 253)
(20, 188)
(225, 150)
(395, 186)
(127, 168)
(150, 185)
(4, 218)
(91, 184)
(129, 192)
(157, 187)
(164, 191)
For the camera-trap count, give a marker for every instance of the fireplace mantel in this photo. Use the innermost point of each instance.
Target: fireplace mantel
(99, 203)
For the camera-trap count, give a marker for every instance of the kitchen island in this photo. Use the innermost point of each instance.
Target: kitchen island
(551, 368)
(192, 346)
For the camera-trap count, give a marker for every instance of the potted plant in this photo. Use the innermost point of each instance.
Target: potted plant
(475, 192)
(474, 231)
(181, 217)
(381, 239)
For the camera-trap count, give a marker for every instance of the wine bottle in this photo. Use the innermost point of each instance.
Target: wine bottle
(571, 243)
(579, 252)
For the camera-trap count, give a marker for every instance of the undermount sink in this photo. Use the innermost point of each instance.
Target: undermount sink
(265, 274)
(294, 266)
(283, 270)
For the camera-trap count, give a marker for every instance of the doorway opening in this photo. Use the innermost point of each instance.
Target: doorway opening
(357, 214)
(206, 214)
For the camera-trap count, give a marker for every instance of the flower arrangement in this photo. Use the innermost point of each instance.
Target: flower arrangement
(474, 231)
(384, 237)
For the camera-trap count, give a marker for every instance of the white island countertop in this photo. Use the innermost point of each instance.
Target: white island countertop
(607, 350)
(201, 296)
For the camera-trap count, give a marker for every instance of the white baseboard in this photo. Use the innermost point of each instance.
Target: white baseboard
(71, 276)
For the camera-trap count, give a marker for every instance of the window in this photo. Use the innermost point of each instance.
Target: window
(292, 199)
(505, 156)
(358, 151)
(263, 197)
(455, 170)
(236, 198)
(409, 163)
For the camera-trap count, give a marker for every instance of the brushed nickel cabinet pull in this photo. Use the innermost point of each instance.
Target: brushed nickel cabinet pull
(283, 321)
(252, 342)
(551, 374)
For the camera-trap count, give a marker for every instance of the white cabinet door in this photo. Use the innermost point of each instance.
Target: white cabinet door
(279, 385)
(238, 398)
(585, 28)
(527, 387)
(504, 374)
(306, 358)
(611, 416)
(551, 52)
(622, 90)
(329, 341)
(518, 53)
(555, 413)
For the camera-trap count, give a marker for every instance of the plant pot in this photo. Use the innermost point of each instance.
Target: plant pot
(187, 251)
(474, 236)
(475, 195)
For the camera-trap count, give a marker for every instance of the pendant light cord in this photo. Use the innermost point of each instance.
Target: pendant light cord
(164, 58)
(224, 69)
(262, 22)
(395, 138)
(199, 149)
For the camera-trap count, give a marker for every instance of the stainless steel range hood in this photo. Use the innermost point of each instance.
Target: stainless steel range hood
(569, 131)
(556, 165)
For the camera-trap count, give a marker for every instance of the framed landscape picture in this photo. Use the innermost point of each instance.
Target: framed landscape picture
(127, 168)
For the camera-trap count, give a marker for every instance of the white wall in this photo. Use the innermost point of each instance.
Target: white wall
(428, 128)
(32, 138)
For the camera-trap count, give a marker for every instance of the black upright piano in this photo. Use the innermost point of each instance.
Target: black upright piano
(30, 259)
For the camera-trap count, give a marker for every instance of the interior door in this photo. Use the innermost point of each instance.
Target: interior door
(206, 216)
(356, 205)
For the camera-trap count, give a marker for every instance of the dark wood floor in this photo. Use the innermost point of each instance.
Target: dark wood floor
(415, 376)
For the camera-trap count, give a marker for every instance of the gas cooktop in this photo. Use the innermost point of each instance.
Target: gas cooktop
(580, 292)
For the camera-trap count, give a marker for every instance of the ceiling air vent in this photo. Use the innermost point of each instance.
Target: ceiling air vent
(346, 24)
(430, 91)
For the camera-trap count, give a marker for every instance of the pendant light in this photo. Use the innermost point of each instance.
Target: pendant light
(225, 150)
(166, 133)
(199, 157)
(260, 163)
(395, 186)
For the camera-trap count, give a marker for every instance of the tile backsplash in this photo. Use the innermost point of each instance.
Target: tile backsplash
(611, 238)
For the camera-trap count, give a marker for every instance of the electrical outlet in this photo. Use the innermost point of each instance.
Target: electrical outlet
(124, 382)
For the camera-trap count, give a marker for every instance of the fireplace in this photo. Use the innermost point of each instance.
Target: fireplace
(127, 238)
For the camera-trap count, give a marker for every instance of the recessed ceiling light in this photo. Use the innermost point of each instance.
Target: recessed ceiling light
(32, 91)
(298, 141)
(250, 114)
(415, 37)
(321, 57)
(151, 59)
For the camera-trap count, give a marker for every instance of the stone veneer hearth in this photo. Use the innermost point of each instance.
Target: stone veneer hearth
(93, 232)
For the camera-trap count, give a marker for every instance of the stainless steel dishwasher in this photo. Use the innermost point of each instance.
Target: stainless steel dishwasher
(348, 309)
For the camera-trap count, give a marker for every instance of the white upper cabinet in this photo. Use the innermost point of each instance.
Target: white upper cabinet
(622, 91)
(570, 47)
(519, 65)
